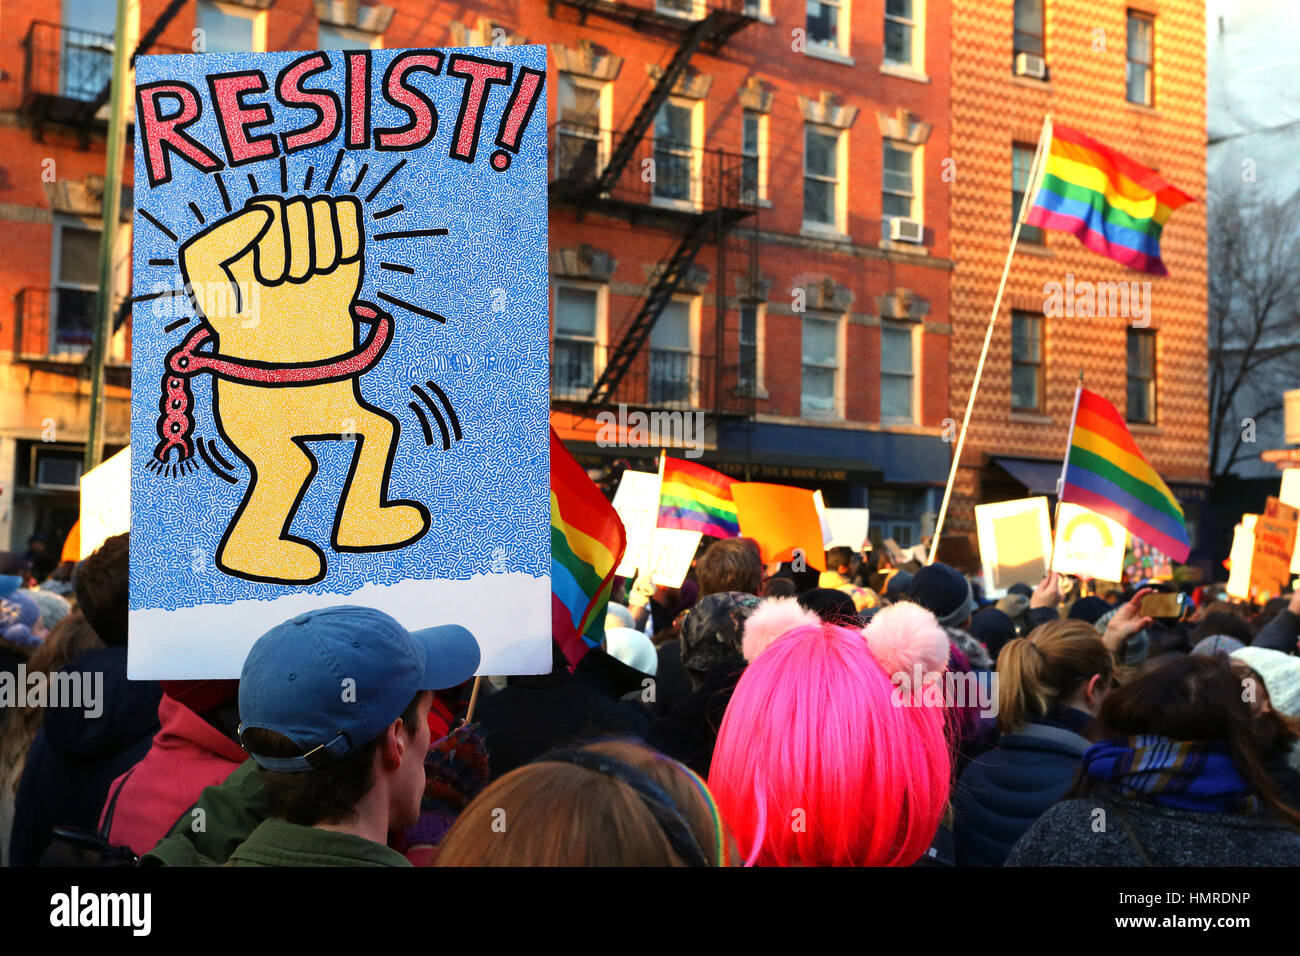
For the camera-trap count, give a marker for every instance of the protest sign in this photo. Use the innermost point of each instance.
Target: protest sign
(1239, 559)
(671, 553)
(1270, 563)
(849, 528)
(1088, 544)
(1290, 495)
(637, 503)
(105, 503)
(1015, 538)
(783, 520)
(341, 312)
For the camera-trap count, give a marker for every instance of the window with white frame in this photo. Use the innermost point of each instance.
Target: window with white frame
(897, 374)
(76, 287)
(582, 141)
(579, 320)
(902, 33)
(1139, 67)
(823, 202)
(819, 391)
(230, 29)
(898, 182)
(828, 25)
(676, 155)
(754, 150)
(671, 356)
(331, 37)
(749, 379)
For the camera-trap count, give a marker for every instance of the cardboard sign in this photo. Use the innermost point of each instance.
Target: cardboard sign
(1270, 563)
(1015, 539)
(671, 553)
(1239, 559)
(105, 503)
(637, 503)
(340, 365)
(1088, 544)
(848, 527)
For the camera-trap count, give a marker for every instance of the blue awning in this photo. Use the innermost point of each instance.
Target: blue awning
(1038, 477)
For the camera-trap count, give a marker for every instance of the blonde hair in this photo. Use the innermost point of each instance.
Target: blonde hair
(1038, 673)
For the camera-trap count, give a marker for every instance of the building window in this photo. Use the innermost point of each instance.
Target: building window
(898, 197)
(1028, 37)
(821, 178)
(582, 135)
(749, 378)
(671, 356)
(828, 25)
(897, 378)
(579, 321)
(754, 149)
(1141, 376)
(821, 363)
(1022, 159)
(76, 288)
(88, 40)
(231, 29)
(1139, 70)
(675, 152)
(900, 25)
(1026, 361)
(693, 9)
(330, 37)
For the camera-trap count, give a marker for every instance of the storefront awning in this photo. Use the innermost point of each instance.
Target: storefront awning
(1038, 477)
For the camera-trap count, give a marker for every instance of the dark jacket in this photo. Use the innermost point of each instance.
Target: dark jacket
(538, 713)
(277, 843)
(690, 731)
(672, 686)
(1004, 790)
(229, 813)
(74, 758)
(1279, 634)
(1092, 831)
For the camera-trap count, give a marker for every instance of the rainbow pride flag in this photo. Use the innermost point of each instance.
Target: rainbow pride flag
(1107, 472)
(696, 498)
(587, 543)
(1111, 203)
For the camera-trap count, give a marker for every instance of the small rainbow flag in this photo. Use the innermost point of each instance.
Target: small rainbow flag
(1107, 472)
(696, 498)
(587, 543)
(1111, 203)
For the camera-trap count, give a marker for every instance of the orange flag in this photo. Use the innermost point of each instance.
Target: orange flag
(781, 519)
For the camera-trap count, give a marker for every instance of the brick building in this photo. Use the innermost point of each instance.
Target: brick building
(1131, 74)
(783, 267)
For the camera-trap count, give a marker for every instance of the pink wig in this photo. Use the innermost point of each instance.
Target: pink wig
(819, 760)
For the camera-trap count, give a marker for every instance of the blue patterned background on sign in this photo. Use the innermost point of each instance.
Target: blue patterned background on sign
(489, 494)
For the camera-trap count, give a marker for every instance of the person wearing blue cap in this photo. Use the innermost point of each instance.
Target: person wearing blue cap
(334, 707)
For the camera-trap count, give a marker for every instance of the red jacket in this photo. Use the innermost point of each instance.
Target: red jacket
(187, 755)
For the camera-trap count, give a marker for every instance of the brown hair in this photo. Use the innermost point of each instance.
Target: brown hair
(328, 794)
(732, 564)
(1039, 673)
(552, 813)
(69, 639)
(103, 589)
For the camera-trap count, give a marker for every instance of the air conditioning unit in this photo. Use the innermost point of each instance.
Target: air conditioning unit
(1031, 64)
(906, 230)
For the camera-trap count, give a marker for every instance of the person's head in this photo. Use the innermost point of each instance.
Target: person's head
(712, 631)
(831, 605)
(993, 629)
(20, 622)
(840, 559)
(1223, 622)
(944, 592)
(103, 589)
(731, 564)
(1088, 609)
(633, 648)
(613, 803)
(334, 707)
(1115, 597)
(1280, 674)
(1060, 664)
(897, 585)
(779, 587)
(815, 763)
(1194, 699)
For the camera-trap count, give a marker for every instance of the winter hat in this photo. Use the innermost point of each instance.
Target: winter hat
(896, 587)
(1217, 644)
(1281, 674)
(53, 608)
(904, 636)
(993, 629)
(9, 583)
(632, 648)
(713, 631)
(944, 592)
(832, 606)
(19, 615)
(1014, 606)
(1088, 609)
(616, 615)
(1021, 588)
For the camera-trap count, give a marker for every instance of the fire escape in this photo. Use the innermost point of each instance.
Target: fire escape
(696, 196)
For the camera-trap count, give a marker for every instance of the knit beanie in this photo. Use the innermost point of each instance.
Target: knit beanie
(53, 608)
(1281, 674)
(944, 592)
(1217, 644)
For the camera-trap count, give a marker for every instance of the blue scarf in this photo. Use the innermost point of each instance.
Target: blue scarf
(1181, 775)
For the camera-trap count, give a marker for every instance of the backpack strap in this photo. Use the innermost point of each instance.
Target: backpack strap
(107, 826)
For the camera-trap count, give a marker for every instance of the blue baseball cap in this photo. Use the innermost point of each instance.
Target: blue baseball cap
(333, 679)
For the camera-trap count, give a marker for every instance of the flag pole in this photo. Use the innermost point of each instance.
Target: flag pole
(1044, 136)
(1060, 482)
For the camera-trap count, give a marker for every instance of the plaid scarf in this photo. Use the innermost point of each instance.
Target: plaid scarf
(1181, 775)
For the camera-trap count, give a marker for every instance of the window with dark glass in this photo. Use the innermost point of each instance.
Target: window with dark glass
(1139, 69)
(1022, 158)
(1026, 361)
(1141, 376)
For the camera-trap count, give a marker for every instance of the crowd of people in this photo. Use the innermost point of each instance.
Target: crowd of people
(756, 715)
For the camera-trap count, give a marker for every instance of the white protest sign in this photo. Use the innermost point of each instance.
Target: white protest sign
(1088, 544)
(672, 551)
(637, 503)
(848, 527)
(105, 502)
(1290, 495)
(1015, 539)
(827, 534)
(1243, 549)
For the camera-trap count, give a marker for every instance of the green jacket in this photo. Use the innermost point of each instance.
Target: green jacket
(231, 811)
(276, 843)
